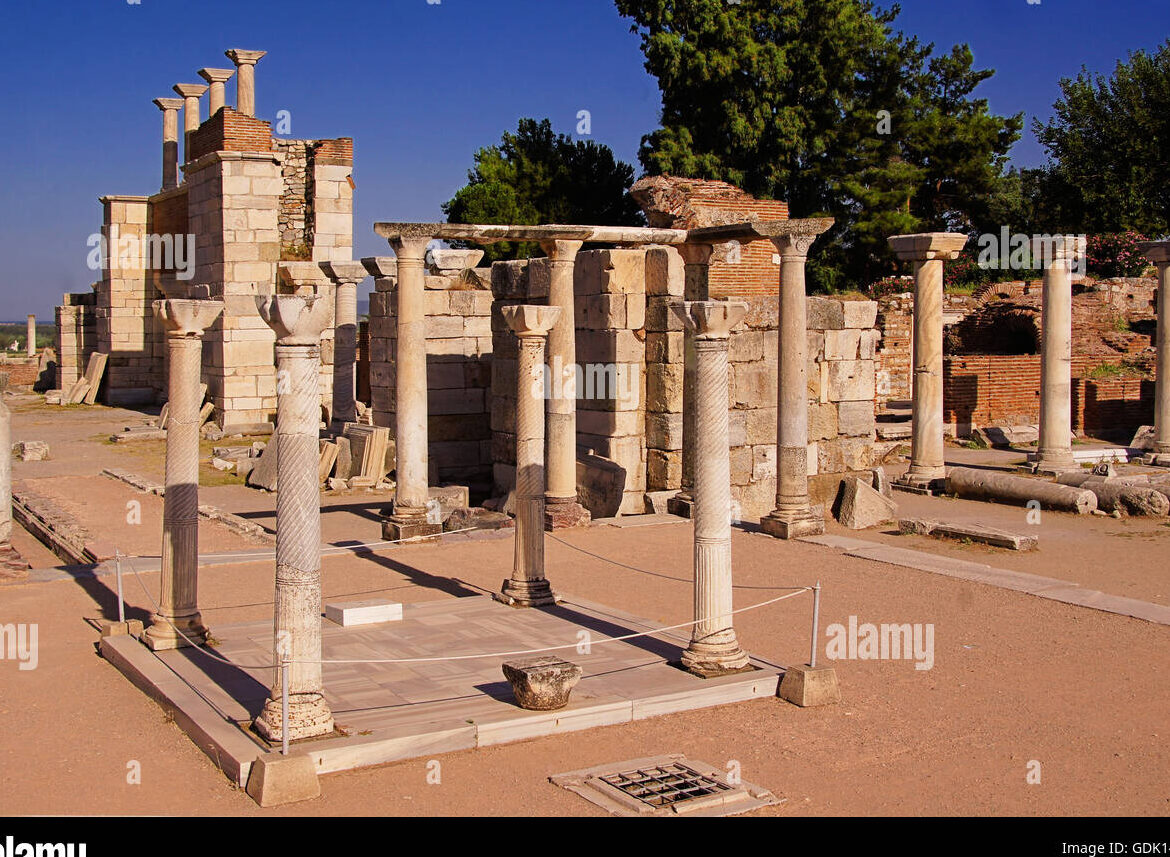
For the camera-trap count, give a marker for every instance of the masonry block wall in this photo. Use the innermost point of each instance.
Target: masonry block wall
(665, 278)
(75, 337)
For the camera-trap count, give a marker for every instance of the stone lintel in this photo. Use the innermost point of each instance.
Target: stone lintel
(381, 266)
(242, 57)
(1157, 252)
(927, 245)
(216, 75)
(190, 90)
(169, 103)
(217, 157)
(117, 197)
(751, 230)
(491, 233)
(345, 272)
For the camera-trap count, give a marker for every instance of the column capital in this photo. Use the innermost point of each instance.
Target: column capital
(923, 246)
(714, 319)
(561, 249)
(345, 272)
(242, 57)
(1157, 252)
(301, 275)
(183, 317)
(216, 75)
(381, 266)
(296, 319)
(530, 320)
(190, 90)
(794, 247)
(696, 254)
(1053, 248)
(408, 240)
(165, 104)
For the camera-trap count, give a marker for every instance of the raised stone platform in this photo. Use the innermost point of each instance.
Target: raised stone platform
(386, 712)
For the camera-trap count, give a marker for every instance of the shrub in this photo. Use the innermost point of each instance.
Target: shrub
(1116, 254)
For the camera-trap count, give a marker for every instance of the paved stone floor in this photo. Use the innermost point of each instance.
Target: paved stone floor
(433, 706)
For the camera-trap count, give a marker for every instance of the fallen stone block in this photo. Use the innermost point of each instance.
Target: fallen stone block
(31, 450)
(263, 474)
(992, 485)
(275, 779)
(336, 484)
(656, 502)
(808, 687)
(968, 532)
(222, 464)
(369, 612)
(244, 467)
(450, 497)
(477, 518)
(863, 507)
(1143, 439)
(53, 397)
(543, 683)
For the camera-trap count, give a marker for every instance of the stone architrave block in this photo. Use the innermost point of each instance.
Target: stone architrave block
(863, 507)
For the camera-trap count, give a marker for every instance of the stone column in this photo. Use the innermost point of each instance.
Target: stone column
(345, 276)
(5, 465)
(927, 251)
(1158, 252)
(1054, 450)
(216, 78)
(178, 622)
(697, 272)
(170, 170)
(30, 347)
(561, 506)
(298, 321)
(410, 434)
(794, 515)
(528, 586)
(714, 649)
(245, 78)
(191, 93)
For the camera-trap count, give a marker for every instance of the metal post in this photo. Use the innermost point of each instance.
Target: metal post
(118, 575)
(812, 661)
(284, 705)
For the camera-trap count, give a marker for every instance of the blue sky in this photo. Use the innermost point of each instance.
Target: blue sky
(419, 86)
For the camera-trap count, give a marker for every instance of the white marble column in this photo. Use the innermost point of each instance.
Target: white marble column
(714, 649)
(30, 346)
(190, 93)
(794, 515)
(298, 321)
(1158, 252)
(409, 519)
(216, 78)
(528, 587)
(927, 251)
(1054, 449)
(5, 465)
(170, 169)
(245, 78)
(696, 279)
(178, 622)
(561, 506)
(345, 276)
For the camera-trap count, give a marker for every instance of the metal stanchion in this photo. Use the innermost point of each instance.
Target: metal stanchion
(812, 660)
(284, 705)
(118, 575)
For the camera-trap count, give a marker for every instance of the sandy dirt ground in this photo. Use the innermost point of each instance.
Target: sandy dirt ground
(1015, 680)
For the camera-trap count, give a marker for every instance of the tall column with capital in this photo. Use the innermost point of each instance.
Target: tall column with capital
(178, 622)
(298, 321)
(1158, 252)
(714, 649)
(345, 276)
(1054, 449)
(927, 251)
(191, 93)
(216, 78)
(30, 345)
(794, 515)
(170, 170)
(697, 272)
(5, 465)
(528, 586)
(409, 519)
(562, 509)
(245, 78)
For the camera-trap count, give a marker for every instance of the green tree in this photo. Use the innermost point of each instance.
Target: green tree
(823, 105)
(536, 176)
(1109, 145)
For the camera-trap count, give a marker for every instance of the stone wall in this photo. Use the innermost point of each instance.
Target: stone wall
(76, 336)
(293, 212)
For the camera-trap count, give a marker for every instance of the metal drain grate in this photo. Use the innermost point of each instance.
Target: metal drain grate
(664, 785)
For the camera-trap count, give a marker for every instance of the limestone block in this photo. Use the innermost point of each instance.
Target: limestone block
(867, 344)
(635, 311)
(746, 346)
(822, 421)
(664, 431)
(760, 425)
(842, 344)
(859, 314)
(665, 272)
(444, 327)
(763, 463)
(850, 380)
(856, 419)
(275, 780)
(661, 315)
(611, 423)
(754, 384)
(736, 428)
(807, 687)
(664, 388)
(825, 314)
(863, 507)
(814, 345)
(664, 469)
(741, 465)
(664, 347)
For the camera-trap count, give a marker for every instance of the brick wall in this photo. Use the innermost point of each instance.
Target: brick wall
(229, 131)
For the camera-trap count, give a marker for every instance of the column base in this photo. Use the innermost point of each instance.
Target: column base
(807, 686)
(792, 524)
(711, 661)
(395, 529)
(160, 636)
(1050, 465)
(526, 593)
(564, 514)
(1156, 459)
(308, 717)
(920, 483)
(682, 505)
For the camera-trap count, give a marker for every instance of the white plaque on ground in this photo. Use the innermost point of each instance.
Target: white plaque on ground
(349, 613)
